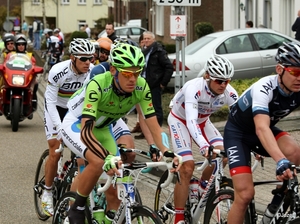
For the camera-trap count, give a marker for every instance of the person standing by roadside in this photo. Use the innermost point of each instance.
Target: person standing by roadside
(30, 32)
(109, 28)
(25, 28)
(36, 34)
(249, 24)
(17, 25)
(88, 30)
(296, 27)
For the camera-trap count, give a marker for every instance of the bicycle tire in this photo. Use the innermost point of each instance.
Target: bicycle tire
(39, 182)
(145, 213)
(62, 207)
(225, 197)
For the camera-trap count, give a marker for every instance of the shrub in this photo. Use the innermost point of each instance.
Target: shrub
(203, 28)
(170, 48)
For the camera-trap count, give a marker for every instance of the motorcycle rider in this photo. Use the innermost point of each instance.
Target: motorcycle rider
(9, 44)
(64, 79)
(20, 47)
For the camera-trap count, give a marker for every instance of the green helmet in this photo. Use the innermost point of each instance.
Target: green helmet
(125, 55)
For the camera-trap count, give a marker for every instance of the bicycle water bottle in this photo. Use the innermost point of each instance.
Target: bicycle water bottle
(98, 214)
(193, 193)
(109, 217)
(202, 186)
(269, 213)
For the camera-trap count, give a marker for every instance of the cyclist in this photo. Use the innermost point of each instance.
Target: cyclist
(64, 79)
(252, 123)
(9, 44)
(189, 119)
(86, 129)
(54, 46)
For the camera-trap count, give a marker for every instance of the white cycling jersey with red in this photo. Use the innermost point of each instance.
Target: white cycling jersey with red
(194, 103)
(62, 83)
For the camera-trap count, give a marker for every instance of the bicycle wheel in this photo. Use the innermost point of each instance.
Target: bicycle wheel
(164, 200)
(143, 214)
(62, 207)
(68, 180)
(216, 211)
(39, 183)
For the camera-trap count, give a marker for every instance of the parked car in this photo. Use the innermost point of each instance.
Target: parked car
(131, 32)
(252, 52)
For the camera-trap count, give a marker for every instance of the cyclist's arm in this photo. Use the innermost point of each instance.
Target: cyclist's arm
(51, 94)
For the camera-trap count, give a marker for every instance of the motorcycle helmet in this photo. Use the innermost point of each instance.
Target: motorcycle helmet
(20, 39)
(219, 67)
(125, 55)
(81, 46)
(8, 37)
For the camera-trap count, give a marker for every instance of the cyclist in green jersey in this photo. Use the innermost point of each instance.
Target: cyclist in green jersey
(86, 128)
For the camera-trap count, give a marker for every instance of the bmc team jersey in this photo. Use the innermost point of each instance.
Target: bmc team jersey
(62, 83)
(100, 100)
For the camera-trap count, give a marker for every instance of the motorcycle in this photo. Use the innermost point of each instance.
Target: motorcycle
(17, 79)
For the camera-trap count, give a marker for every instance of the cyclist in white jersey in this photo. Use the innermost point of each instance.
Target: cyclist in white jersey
(189, 120)
(64, 79)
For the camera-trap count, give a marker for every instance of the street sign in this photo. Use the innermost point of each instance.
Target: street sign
(178, 25)
(179, 2)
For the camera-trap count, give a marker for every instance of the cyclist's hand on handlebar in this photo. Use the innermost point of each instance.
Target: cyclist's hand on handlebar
(282, 170)
(170, 156)
(154, 153)
(204, 151)
(111, 164)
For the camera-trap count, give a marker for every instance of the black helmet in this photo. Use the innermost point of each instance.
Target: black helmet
(288, 54)
(125, 41)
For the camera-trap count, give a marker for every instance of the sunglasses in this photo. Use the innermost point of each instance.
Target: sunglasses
(129, 74)
(20, 44)
(293, 71)
(220, 81)
(9, 44)
(103, 51)
(84, 58)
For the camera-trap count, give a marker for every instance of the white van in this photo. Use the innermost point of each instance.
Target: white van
(134, 22)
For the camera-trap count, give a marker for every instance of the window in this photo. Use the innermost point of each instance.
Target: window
(35, 2)
(97, 2)
(235, 44)
(159, 20)
(267, 41)
(81, 2)
(65, 1)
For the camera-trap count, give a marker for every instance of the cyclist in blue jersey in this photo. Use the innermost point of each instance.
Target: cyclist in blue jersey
(251, 123)
(86, 129)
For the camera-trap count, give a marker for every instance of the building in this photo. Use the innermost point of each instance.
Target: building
(66, 14)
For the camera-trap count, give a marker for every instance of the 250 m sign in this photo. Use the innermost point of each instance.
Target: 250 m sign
(179, 2)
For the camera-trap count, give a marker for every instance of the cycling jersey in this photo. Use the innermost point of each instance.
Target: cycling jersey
(62, 83)
(263, 97)
(98, 69)
(189, 116)
(100, 100)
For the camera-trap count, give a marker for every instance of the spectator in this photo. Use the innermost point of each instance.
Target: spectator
(249, 24)
(109, 28)
(88, 30)
(25, 28)
(17, 24)
(61, 34)
(296, 27)
(36, 34)
(30, 32)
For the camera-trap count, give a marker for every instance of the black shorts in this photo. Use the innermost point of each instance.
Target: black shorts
(238, 145)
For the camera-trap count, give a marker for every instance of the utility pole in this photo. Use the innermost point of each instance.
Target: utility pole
(44, 14)
(7, 11)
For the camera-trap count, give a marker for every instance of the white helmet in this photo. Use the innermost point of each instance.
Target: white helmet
(81, 46)
(219, 67)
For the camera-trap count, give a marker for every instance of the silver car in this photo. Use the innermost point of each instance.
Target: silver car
(252, 52)
(131, 32)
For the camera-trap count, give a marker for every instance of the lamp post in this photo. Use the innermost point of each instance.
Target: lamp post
(7, 11)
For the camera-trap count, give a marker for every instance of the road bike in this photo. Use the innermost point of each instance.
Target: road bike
(62, 182)
(130, 210)
(164, 198)
(287, 212)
